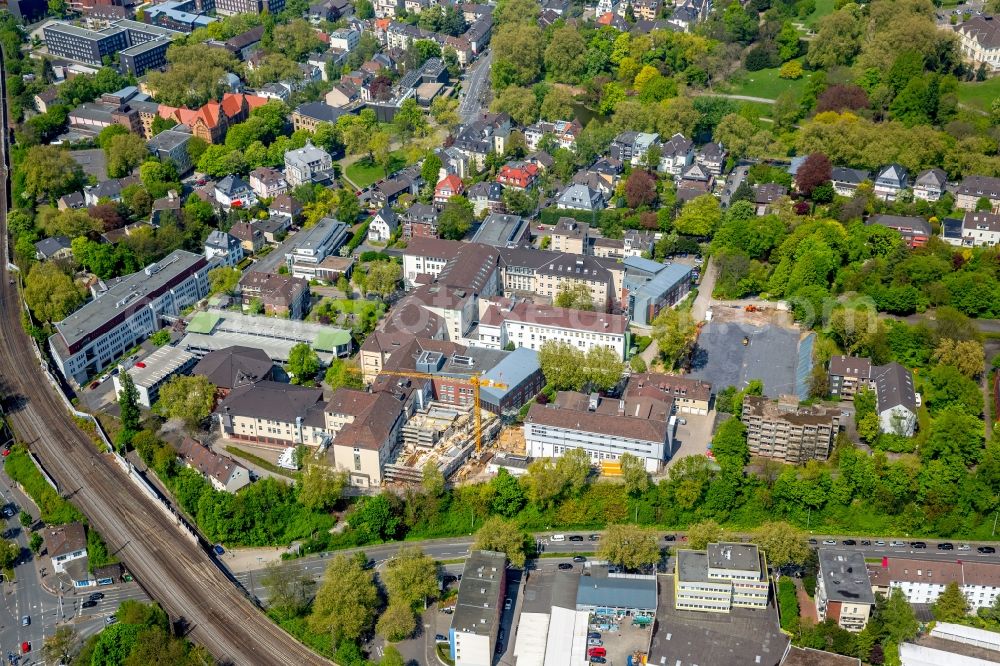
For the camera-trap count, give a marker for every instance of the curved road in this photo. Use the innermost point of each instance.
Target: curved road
(173, 569)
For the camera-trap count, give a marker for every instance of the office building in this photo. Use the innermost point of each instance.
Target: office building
(650, 286)
(142, 46)
(843, 591)
(604, 428)
(126, 312)
(476, 622)
(504, 321)
(218, 329)
(786, 431)
(720, 578)
(231, 7)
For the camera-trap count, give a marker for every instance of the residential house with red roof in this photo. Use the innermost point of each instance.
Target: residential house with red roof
(449, 186)
(518, 175)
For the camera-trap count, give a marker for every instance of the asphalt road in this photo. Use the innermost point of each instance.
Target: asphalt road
(176, 571)
(476, 88)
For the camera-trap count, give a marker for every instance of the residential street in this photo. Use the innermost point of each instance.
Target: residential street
(476, 88)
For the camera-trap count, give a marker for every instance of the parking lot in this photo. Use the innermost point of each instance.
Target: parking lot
(693, 436)
(771, 355)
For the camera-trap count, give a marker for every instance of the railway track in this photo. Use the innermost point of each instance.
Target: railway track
(175, 571)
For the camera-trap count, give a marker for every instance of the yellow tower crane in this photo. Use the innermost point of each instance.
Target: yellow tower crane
(475, 380)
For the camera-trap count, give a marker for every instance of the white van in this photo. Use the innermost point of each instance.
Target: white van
(557, 537)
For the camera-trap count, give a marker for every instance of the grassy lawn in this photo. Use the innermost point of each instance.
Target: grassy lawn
(823, 8)
(363, 173)
(766, 83)
(979, 95)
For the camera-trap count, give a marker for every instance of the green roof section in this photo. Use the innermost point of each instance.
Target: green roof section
(203, 322)
(329, 340)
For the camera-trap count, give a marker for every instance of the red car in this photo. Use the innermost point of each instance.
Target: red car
(25, 647)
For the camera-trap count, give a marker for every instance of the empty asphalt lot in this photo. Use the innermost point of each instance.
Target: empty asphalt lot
(770, 356)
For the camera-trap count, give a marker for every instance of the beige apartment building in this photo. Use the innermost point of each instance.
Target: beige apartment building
(786, 431)
(570, 236)
(721, 577)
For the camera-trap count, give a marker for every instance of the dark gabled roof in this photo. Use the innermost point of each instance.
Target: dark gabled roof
(932, 178)
(320, 111)
(894, 387)
(231, 184)
(233, 367)
(271, 400)
(65, 539)
(49, 246)
(848, 176)
(980, 186)
(243, 40)
(203, 459)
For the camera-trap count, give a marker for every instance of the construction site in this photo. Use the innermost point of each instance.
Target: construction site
(444, 435)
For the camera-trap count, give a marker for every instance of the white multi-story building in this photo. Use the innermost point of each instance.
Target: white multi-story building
(221, 245)
(426, 256)
(720, 578)
(315, 244)
(978, 229)
(345, 39)
(125, 313)
(604, 428)
(525, 324)
(923, 580)
(979, 40)
(303, 163)
(154, 371)
(476, 622)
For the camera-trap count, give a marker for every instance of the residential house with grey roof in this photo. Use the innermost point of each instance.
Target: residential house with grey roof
(896, 401)
(929, 185)
(581, 197)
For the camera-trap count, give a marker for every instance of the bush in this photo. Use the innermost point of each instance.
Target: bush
(791, 70)
(788, 604)
(55, 510)
(761, 57)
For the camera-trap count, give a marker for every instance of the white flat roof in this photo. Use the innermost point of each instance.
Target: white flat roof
(159, 365)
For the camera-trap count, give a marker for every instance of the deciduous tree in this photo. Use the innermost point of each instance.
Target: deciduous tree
(410, 577)
(50, 293)
(503, 536)
(345, 603)
(699, 217)
(629, 546)
(303, 363)
(320, 486)
(574, 295)
(397, 622)
(703, 533)
(128, 404)
(813, 172)
(634, 474)
(223, 280)
(674, 332)
(951, 605)
(189, 398)
(383, 278)
(456, 218)
(782, 542)
(124, 153)
(50, 172)
(640, 188)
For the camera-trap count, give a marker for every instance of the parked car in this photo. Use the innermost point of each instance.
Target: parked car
(946, 546)
(896, 544)
(918, 544)
(579, 558)
(508, 603)
(594, 537)
(880, 543)
(986, 550)
(111, 619)
(96, 596)
(964, 546)
(576, 537)
(866, 542)
(594, 634)
(565, 566)
(89, 603)
(25, 647)
(670, 537)
(441, 638)
(219, 550)
(594, 642)
(597, 652)
(829, 542)
(598, 660)
(813, 542)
